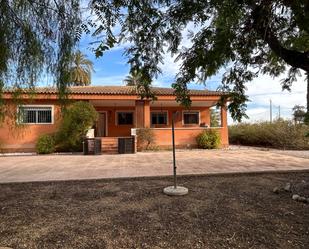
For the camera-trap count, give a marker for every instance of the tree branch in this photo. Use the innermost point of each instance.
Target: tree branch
(292, 57)
(299, 12)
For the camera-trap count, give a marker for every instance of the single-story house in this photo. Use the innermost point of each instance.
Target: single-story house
(120, 110)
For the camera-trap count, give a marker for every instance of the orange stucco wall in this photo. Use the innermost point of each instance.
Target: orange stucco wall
(204, 116)
(184, 137)
(25, 137)
(113, 129)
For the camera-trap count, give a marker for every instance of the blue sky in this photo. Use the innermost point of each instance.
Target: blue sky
(111, 69)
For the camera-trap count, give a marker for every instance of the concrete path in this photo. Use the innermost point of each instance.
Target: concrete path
(68, 167)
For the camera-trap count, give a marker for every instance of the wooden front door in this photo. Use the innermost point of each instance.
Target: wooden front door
(101, 125)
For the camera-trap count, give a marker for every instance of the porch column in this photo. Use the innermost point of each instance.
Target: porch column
(146, 114)
(142, 113)
(225, 131)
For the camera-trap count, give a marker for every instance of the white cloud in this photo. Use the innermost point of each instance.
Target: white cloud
(170, 67)
(263, 89)
(260, 90)
(265, 83)
(284, 99)
(255, 114)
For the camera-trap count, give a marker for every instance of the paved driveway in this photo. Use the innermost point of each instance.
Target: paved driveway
(67, 167)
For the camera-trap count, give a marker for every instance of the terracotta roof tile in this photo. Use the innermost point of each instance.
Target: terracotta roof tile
(120, 90)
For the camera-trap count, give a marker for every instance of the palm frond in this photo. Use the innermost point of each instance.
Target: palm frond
(81, 69)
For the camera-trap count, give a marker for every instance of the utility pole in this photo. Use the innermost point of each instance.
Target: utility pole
(270, 111)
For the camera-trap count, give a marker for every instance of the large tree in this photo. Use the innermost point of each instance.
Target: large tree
(245, 37)
(37, 37)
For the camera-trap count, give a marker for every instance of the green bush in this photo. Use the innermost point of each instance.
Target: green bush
(145, 138)
(77, 119)
(208, 139)
(45, 144)
(279, 134)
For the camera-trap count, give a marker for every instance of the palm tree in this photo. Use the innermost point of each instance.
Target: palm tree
(81, 69)
(141, 87)
(134, 79)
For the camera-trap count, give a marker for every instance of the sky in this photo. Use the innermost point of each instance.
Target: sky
(111, 69)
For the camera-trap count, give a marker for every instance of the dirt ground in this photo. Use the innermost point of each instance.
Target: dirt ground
(224, 211)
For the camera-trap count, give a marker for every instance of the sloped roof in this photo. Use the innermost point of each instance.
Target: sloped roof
(119, 90)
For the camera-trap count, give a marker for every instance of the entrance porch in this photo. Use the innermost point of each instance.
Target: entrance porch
(121, 118)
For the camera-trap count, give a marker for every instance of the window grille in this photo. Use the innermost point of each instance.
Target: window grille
(35, 115)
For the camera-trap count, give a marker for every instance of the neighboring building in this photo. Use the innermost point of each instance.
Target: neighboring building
(120, 110)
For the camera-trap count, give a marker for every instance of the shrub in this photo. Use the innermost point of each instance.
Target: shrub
(77, 119)
(45, 144)
(279, 134)
(145, 138)
(208, 139)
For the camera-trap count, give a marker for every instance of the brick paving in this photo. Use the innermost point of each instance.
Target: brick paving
(73, 167)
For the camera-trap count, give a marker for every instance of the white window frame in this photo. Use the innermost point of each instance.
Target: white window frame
(191, 112)
(159, 111)
(116, 118)
(33, 106)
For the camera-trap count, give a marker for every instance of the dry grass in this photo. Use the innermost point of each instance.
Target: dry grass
(279, 134)
(234, 211)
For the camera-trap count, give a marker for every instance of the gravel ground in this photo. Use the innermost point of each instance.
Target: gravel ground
(231, 211)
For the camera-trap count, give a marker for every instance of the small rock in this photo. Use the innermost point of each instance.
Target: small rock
(302, 199)
(276, 190)
(287, 187)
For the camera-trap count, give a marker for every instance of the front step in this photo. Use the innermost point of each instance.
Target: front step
(109, 145)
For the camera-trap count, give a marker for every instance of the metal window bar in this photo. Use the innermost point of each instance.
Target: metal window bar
(36, 115)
